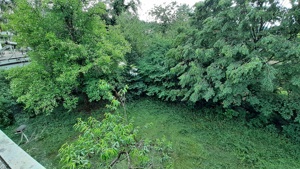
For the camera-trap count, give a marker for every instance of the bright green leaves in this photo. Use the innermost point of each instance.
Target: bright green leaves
(222, 61)
(113, 143)
(227, 51)
(74, 55)
(32, 85)
(98, 90)
(97, 9)
(296, 81)
(234, 51)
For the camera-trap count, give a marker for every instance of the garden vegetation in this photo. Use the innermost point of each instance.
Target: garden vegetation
(228, 60)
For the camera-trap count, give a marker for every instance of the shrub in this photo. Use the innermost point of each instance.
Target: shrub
(113, 143)
(7, 102)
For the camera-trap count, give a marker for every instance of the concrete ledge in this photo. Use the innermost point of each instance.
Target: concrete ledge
(14, 156)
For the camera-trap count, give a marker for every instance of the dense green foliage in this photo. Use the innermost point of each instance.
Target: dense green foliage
(168, 15)
(6, 7)
(239, 55)
(75, 55)
(120, 6)
(46, 134)
(150, 44)
(7, 102)
(202, 138)
(236, 61)
(113, 143)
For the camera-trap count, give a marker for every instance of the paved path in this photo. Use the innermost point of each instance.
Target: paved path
(10, 59)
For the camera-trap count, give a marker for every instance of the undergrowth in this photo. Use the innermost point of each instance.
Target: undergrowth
(203, 139)
(200, 139)
(46, 134)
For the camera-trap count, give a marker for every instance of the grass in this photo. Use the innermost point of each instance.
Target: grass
(200, 139)
(206, 140)
(46, 135)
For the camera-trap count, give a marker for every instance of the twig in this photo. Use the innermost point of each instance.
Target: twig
(23, 134)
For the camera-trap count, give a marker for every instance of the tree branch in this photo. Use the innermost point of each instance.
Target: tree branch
(116, 159)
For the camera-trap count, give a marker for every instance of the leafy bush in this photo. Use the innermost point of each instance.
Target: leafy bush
(7, 102)
(153, 68)
(113, 143)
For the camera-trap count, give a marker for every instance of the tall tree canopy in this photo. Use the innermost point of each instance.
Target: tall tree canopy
(117, 7)
(236, 54)
(170, 14)
(75, 55)
(6, 6)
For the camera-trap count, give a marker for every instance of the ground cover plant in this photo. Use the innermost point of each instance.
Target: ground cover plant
(200, 139)
(204, 139)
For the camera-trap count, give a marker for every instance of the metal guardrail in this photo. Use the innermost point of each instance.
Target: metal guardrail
(9, 60)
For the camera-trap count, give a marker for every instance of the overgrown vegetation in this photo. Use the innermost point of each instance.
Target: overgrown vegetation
(8, 105)
(47, 134)
(236, 61)
(242, 56)
(114, 143)
(200, 138)
(75, 55)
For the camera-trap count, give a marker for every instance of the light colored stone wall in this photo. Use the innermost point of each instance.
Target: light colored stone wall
(14, 156)
(3, 164)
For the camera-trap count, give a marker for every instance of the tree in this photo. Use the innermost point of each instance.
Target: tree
(134, 32)
(153, 76)
(117, 7)
(241, 53)
(75, 55)
(168, 14)
(114, 143)
(6, 6)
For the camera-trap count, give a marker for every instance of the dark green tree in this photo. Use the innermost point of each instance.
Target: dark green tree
(153, 76)
(8, 105)
(242, 53)
(117, 7)
(75, 55)
(167, 15)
